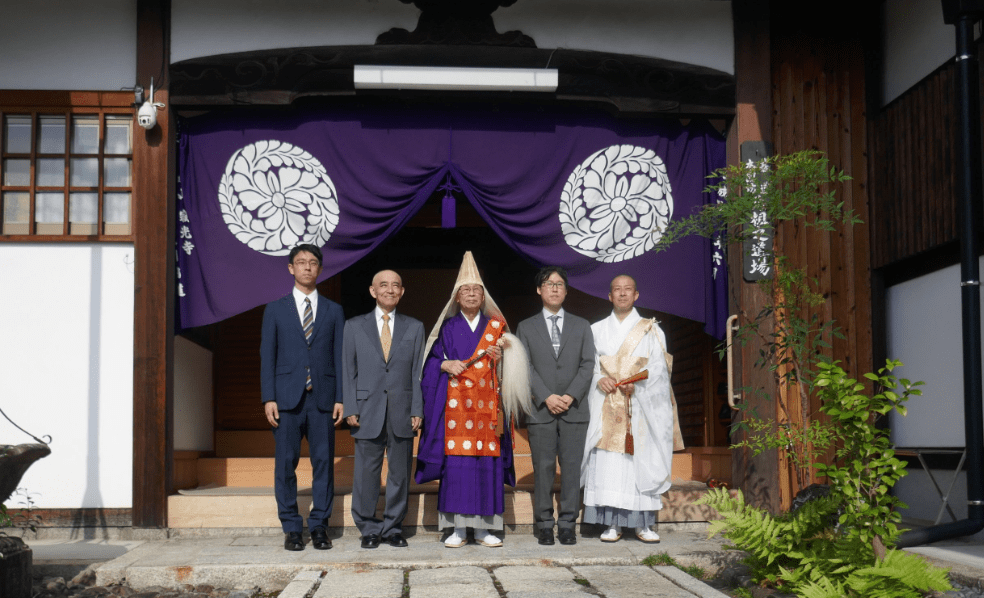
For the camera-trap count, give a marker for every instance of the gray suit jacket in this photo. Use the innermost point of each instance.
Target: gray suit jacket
(374, 389)
(567, 373)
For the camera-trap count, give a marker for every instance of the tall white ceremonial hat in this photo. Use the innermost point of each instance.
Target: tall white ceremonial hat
(467, 274)
(516, 395)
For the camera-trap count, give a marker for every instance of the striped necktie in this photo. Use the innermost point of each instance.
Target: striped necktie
(555, 335)
(308, 329)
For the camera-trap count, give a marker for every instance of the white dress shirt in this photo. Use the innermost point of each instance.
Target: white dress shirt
(379, 320)
(299, 298)
(560, 321)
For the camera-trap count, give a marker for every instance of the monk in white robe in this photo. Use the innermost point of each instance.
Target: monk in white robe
(623, 479)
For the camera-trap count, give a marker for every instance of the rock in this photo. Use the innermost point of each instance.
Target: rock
(95, 592)
(86, 577)
(53, 584)
(744, 581)
(204, 589)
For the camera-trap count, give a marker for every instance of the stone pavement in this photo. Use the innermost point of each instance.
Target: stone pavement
(512, 581)
(520, 569)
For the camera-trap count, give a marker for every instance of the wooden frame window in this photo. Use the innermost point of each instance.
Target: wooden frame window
(66, 174)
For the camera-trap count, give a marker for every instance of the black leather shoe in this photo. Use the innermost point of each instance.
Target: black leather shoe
(546, 537)
(293, 541)
(397, 541)
(320, 539)
(370, 541)
(567, 536)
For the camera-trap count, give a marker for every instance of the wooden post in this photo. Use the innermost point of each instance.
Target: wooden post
(756, 476)
(153, 293)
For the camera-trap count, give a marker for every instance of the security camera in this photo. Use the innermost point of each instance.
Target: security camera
(147, 113)
(147, 116)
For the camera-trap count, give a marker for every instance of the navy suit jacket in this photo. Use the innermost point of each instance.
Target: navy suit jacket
(285, 355)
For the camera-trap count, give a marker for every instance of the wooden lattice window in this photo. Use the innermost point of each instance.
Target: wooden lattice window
(66, 174)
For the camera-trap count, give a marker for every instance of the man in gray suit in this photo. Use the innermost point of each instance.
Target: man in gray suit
(561, 351)
(382, 357)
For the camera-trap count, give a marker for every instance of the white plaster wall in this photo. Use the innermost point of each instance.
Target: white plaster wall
(692, 31)
(924, 333)
(66, 368)
(193, 429)
(916, 43)
(208, 27)
(67, 44)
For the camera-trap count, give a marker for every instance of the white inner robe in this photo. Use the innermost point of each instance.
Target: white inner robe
(631, 482)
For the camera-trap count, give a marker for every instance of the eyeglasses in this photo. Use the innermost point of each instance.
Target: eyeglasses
(303, 263)
(553, 285)
(472, 290)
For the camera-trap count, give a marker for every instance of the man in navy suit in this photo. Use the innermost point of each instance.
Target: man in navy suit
(300, 373)
(384, 353)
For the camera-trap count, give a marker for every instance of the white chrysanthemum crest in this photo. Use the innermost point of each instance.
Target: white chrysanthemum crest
(616, 204)
(275, 195)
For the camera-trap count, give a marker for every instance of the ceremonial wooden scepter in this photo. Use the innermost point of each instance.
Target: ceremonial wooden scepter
(629, 440)
(473, 360)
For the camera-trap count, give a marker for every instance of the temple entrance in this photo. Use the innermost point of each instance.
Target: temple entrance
(239, 470)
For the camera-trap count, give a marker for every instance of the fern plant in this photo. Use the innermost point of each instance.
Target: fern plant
(838, 545)
(900, 574)
(804, 554)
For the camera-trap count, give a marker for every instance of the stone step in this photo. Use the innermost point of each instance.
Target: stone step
(243, 507)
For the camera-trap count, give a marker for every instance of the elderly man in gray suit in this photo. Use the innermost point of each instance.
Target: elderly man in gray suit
(382, 357)
(561, 351)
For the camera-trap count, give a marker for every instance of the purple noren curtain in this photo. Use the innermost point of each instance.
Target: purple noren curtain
(572, 188)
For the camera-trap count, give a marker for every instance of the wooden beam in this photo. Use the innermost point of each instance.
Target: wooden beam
(756, 475)
(153, 294)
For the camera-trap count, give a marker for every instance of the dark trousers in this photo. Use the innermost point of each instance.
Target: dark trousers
(306, 420)
(549, 443)
(366, 482)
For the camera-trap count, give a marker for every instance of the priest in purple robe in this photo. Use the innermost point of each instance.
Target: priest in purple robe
(475, 379)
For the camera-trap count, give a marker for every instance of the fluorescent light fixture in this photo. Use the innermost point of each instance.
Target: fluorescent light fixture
(454, 78)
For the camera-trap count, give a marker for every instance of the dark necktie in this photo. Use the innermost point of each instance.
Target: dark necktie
(555, 335)
(308, 329)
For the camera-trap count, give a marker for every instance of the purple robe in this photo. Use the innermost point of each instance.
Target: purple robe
(469, 485)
